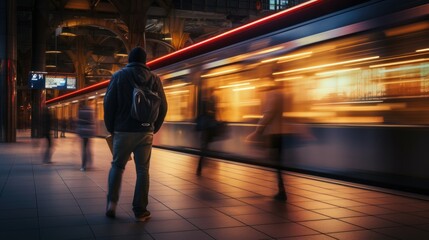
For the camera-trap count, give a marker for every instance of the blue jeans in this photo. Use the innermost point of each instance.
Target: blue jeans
(125, 143)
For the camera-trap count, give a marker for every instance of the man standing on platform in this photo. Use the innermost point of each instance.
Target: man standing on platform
(129, 135)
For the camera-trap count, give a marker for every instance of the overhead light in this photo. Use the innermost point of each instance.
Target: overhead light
(51, 66)
(53, 51)
(67, 34)
(121, 55)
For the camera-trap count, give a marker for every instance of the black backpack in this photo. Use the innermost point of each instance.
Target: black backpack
(145, 103)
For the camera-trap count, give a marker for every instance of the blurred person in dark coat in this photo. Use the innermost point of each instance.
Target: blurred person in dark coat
(63, 127)
(46, 128)
(206, 125)
(86, 130)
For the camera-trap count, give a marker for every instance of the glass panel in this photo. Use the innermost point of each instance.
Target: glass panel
(181, 100)
(372, 78)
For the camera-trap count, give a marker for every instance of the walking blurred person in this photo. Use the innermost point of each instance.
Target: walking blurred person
(46, 127)
(130, 135)
(86, 130)
(206, 125)
(270, 126)
(63, 127)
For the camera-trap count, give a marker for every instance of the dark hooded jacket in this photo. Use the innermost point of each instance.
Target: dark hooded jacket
(118, 99)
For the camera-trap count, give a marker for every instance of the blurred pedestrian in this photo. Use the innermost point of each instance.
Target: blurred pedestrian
(130, 135)
(206, 124)
(63, 127)
(270, 127)
(56, 124)
(46, 128)
(86, 130)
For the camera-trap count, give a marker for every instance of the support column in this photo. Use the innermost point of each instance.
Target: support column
(8, 42)
(80, 61)
(38, 63)
(134, 15)
(175, 27)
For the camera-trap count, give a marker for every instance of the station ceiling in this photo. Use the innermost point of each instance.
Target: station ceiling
(99, 30)
(91, 38)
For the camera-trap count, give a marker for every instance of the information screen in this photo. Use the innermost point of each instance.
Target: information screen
(71, 82)
(58, 81)
(36, 80)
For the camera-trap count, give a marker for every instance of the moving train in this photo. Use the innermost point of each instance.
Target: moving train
(355, 73)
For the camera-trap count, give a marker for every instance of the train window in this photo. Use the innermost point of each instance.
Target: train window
(383, 79)
(66, 112)
(100, 109)
(236, 90)
(180, 96)
(379, 77)
(74, 111)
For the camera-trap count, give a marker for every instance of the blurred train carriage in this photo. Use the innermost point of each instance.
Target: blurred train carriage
(357, 73)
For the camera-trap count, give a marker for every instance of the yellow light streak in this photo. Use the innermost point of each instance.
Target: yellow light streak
(219, 73)
(245, 81)
(252, 116)
(288, 78)
(423, 50)
(402, 69)
(353, 120)
(307, 54)
(404, 81)
(176, 74)
(176, 85)
(350, 108)
(243, 89)
(399, 63)
(234, 85)
(177, 92)
(267, 51)
(337, 71)
(328, 65)
(308, 114)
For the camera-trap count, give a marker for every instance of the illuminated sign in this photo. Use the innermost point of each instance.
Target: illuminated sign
(36, 80)
(58, 81)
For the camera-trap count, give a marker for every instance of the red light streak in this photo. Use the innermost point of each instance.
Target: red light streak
(235, 30)
(78, 91)
(207, 41)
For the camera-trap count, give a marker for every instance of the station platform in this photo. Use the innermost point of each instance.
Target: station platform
(228, 201)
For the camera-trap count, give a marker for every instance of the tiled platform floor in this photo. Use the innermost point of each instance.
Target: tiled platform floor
(229, 201)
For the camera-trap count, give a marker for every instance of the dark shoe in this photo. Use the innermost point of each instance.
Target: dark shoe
(281, 196)
(110, 214)
(111, 210)
(143, 217)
